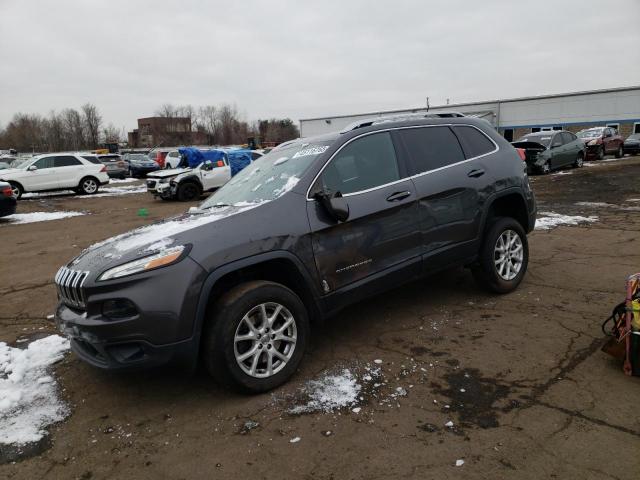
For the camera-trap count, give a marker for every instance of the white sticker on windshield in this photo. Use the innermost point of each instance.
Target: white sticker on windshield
(311, 151)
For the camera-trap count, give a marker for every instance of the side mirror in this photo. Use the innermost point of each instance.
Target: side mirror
(334, 204)
(32, 168)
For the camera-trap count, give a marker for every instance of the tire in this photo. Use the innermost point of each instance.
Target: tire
(600, 153)
(17, 189)
(579, 161)
(498, 278)
(222, 352)
(620, 152)
(88, 186)
(546, 168)
(189, 191)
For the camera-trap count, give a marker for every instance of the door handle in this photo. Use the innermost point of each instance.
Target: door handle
(475, 173)
(397, 196)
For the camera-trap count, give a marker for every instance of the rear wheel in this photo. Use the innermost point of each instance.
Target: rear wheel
(600, 153)
(579, 161)
(256, 336)
(620, 152)
(188, 191)
(17, 189)
(546, 168)
(504, 256)
(88, 186)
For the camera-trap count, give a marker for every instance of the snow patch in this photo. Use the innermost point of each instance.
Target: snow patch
(595, 204)
(330, 393)
(291, 182)
(21, 218)
(549, 220)
(123, 180)
(28, 394)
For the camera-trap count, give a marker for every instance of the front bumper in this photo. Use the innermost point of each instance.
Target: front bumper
(161, 331)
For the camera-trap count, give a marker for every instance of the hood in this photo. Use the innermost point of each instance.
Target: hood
(628, 141)
(529, 145)
(168, 173)
(10, 171)
(144, 241)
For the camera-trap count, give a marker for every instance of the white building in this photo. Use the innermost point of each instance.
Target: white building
(617, 107)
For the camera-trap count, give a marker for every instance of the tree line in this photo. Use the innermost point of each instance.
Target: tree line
(84, 128)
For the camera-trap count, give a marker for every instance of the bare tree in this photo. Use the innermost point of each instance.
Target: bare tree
(92, 122)
(111, 134)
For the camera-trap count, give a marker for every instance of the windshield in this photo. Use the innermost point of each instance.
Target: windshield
(542, 139)
(273, 175)
(138, 157)
(592, 132)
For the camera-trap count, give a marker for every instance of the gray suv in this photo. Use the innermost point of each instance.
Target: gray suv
(315, 225)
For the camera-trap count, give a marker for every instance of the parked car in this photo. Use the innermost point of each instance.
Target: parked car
(315, 225)
(632, 144)
(158, 156)
(56, 172)
(8, 200)
(601, 141)
(4, 166)
(116, 166)
(547, 151)
(186, 184)
(172, 159)
(140, 164)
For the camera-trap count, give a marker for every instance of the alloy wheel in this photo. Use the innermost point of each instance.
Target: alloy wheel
(89, 186)
(265, 340)
(508, 255)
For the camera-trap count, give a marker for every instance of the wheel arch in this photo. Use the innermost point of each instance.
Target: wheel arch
(281, 267)
(509, 203)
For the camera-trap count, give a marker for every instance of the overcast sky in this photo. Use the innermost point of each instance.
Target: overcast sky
(285, 59)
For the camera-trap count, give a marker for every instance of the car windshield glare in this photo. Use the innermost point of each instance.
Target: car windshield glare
(268, 177)
(592, 132)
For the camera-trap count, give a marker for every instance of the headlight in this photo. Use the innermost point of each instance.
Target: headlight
(161, 259)
(593, 142)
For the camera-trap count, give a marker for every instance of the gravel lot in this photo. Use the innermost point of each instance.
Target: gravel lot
(520, 377)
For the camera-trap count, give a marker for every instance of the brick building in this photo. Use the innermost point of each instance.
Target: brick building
(617, 107)
(164, 131)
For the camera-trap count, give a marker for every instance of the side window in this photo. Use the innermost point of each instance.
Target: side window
(46, 162)
(66, 161)
(365, 163)
(557, 140)
(567, 137)
(474, 142)
(431, 147)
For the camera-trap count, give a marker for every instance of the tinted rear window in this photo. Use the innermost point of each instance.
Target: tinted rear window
(66, 161)
(474, 142)
(431, 147)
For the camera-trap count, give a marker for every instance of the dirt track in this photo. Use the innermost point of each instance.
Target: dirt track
(529, 393)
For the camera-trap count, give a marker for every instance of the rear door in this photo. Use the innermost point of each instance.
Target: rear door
(381, 238)
(44, 177)
(69, 170)
(452, 174)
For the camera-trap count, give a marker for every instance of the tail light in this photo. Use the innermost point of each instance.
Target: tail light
(103, 169)
(7, 192)
(522, 154)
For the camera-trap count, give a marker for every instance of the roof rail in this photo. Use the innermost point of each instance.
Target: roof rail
(398, 118)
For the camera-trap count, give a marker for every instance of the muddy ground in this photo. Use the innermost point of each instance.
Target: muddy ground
(527, 388)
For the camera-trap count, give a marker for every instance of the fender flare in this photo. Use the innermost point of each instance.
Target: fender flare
(503, 193)
(191, 178)
(219, 272)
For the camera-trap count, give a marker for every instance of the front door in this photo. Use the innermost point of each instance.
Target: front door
(215, 174)
(43, 177)
(381, 237)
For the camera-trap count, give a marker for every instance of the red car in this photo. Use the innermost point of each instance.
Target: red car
(601, 141)
(158, 156)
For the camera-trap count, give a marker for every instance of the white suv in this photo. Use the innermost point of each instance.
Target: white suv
(56, 172)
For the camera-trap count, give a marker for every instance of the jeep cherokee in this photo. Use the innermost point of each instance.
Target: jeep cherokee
(315, 225)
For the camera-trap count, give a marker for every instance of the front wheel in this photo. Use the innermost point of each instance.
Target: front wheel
(504, 256)
(579, 161)
(88, 186)
(17, 190)
(600, 153)
(620, 152)
(188, 191)
(256, 336)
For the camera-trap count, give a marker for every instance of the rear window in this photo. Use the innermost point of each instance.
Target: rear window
(474, 142)
(431, 147)
(91, 158)
(66, 161)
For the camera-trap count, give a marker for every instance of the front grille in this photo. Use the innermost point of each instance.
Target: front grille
(69, 283)
(151, 183)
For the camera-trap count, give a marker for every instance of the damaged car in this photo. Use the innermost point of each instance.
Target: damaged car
(315, 225)
(547, 151)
